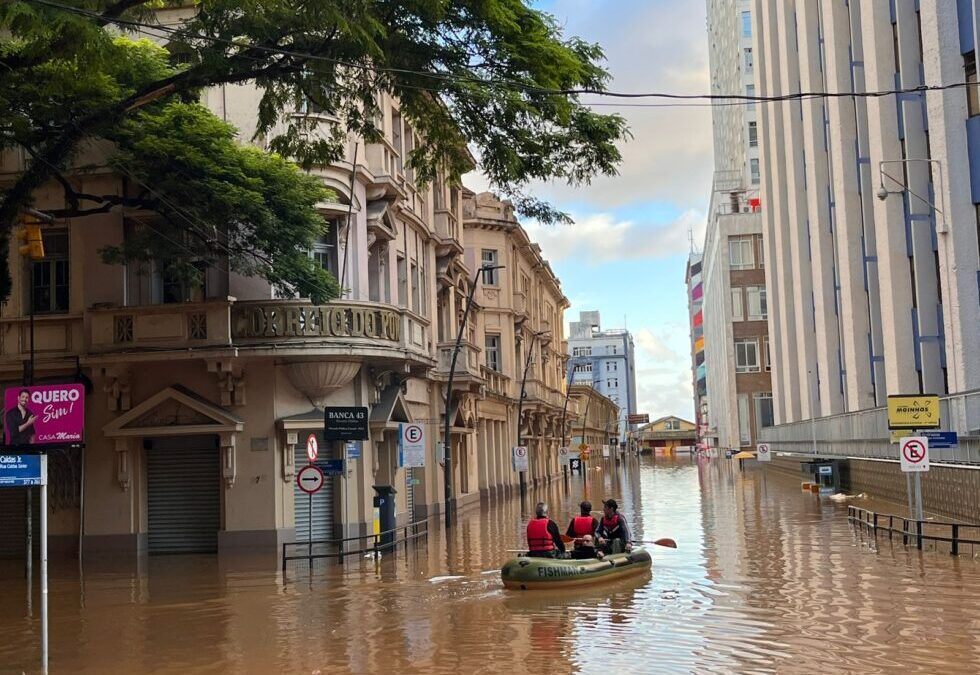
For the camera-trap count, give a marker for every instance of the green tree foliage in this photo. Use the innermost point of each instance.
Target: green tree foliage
(496, 75)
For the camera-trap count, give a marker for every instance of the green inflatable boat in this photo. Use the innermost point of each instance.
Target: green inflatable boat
(530, 574)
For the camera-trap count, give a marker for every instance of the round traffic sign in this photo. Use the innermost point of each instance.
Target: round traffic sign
(914, 450)
(413, 433)
(520, 451)
(763, 448)
(311, 447)
(310, 479)
(562, 450)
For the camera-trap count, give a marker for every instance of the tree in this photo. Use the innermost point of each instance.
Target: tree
(495, 74)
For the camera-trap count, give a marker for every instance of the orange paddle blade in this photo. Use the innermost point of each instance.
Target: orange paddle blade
(669, 543)
(566, 539)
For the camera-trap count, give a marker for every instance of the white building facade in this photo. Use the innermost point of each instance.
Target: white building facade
(605, 360)
(870, 202)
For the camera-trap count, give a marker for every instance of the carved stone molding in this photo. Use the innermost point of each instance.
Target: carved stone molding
(228, 459)
(318, 379)
(123, 463)
(231, 381)
(116, 387)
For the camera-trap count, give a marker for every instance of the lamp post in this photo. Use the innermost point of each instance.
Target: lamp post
(447, 448)
(520, 401)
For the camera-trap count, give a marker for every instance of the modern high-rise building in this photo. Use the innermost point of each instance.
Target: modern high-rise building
(871, 202)
(727, 283)
(605, 360)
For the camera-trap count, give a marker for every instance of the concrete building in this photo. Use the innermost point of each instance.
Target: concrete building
(604, 359)
(597, 424)
(521, 308)
(201, 398)
(699, 373)
(733, 312)
(871, 233)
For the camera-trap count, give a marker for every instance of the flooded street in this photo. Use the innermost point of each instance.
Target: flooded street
(765, 579)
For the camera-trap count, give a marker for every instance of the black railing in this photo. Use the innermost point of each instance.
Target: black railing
(409, 532)
(917, 531)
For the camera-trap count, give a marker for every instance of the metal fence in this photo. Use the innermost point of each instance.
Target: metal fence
(917, 532)
(374, 544)
(865, 433)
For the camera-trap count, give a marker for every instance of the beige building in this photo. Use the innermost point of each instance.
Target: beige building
(521, 307)
(597, 422)
(202, 398)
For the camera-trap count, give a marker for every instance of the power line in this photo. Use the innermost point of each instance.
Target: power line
(740, 99)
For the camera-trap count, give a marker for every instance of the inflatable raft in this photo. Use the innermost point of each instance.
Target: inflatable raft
(529, 574)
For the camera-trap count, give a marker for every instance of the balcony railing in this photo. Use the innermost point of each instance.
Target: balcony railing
(54, 335)
(187, 325)
(520, 302)
(383, 160)
(496, 382)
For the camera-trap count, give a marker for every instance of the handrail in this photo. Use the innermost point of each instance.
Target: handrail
(376, 549)
(871, 521)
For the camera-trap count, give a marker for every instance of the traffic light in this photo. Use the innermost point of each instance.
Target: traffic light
(33, 241)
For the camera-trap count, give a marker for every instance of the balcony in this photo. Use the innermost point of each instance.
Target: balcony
(468, 373)
(55, 335)
(520, 303)
(496, 382)
(284, 328)
(385, 164)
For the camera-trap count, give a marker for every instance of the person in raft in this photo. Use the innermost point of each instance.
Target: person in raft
(543, 537)
(613, 534)
(582, 530)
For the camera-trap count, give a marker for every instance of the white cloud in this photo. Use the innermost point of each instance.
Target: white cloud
(601, 237)
(654, 347)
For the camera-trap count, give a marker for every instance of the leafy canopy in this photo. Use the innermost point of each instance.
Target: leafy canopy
(495, 74)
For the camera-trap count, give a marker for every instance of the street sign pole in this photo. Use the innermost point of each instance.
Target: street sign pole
(44, 564)
(918, 497)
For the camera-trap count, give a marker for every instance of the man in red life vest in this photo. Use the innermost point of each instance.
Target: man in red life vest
(613, 534)
(582, 530)
(543, 537)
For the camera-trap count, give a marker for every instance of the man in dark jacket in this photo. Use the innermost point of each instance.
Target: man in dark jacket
(613, 533)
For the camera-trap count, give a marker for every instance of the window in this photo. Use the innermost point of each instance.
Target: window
(613, 349)
(583, 368)
(738, 313)
(488, 258)
(324, 251)
(763, 411)
(50, 282)
(746, 24)
(672, 425)
(741, 254)
(746, 355)
(612, 383)
(396, 140)
(753, 135)
(612, 366)
(747, 52)
(582, 351)
(750, 92)
(765, 353)
(744, 424)
(754, 170)
(493, 352)
(402, 270)
(416, 299)
(972, 92)
(756, 296)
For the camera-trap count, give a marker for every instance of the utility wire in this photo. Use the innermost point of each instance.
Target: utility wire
(528, 88)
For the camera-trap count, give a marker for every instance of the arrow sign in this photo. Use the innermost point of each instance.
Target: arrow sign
(310, 479)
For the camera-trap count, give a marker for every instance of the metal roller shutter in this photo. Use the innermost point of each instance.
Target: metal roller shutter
(13, 525)
(322, 501)
(183, 499)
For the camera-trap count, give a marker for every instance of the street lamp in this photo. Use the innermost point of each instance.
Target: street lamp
(520, 401)
(447, 448)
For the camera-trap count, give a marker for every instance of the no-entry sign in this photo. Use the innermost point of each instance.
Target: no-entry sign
(915, 454)
(762, 452)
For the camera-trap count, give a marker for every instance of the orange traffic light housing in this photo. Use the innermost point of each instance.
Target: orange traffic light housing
(33, 241)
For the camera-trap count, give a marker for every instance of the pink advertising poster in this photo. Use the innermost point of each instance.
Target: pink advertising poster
(44, 414)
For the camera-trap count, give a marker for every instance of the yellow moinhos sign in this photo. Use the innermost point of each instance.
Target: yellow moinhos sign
(916, 411)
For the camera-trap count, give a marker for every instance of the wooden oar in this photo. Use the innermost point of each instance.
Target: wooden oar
(669, 543)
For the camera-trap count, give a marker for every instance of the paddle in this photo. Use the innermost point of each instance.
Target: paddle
(669, 543)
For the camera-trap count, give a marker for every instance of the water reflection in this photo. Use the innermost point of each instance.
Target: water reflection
(766, 579)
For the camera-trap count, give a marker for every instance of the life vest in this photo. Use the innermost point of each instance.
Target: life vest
(538, 537)
(610, 525)
(582, 525)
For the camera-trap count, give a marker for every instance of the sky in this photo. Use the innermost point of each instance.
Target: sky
(627, 251)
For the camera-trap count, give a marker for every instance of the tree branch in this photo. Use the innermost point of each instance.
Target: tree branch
(116, 10)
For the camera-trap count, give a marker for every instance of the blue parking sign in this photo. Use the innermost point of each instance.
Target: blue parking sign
(22, 471)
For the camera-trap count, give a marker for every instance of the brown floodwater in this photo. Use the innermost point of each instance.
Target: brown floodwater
(766, 578)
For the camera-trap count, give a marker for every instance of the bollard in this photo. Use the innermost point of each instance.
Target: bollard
(955, 543)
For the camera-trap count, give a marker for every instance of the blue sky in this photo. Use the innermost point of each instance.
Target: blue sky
(626, 253)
